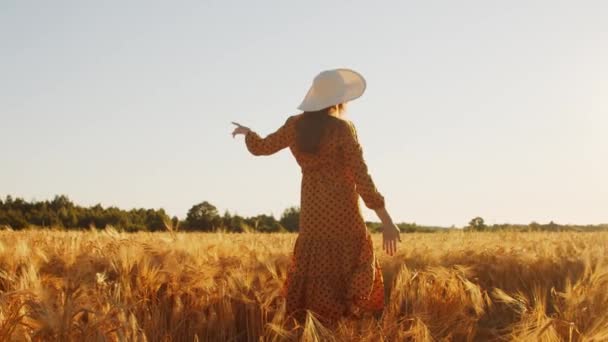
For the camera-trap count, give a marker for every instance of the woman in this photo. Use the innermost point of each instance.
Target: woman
(334, 271)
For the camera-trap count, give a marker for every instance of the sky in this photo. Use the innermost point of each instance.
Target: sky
(496, 109)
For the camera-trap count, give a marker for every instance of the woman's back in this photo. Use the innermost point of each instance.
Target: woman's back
(338, 160)
(329, 155)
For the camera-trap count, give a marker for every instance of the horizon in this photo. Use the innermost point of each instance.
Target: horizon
(497, 110)
(278, 216)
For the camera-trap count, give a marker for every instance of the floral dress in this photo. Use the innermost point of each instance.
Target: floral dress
(334, 271)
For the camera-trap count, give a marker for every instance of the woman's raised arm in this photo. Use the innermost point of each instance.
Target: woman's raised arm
(272, 143)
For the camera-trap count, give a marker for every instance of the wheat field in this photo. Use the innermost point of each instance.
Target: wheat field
(457, 286)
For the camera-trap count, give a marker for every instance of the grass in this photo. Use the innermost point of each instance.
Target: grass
(106, 285)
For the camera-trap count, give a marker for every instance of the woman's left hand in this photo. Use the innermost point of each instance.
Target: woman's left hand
(239, 129)
(390, 237)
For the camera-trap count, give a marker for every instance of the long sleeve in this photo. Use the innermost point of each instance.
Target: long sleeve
(353, 154)
(272, 143)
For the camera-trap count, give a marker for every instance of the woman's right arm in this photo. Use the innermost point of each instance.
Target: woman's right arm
(272, 143)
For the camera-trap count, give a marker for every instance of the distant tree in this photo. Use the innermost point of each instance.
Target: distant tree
(68, 217)
(155, 220)
(552, 226)
(291, 219)
(234, 223)
(408, 227)
(477, 224)
(203, 216)
(265, 223)
(14, 219)
(534, 226)
(175, 222)
(61, 202)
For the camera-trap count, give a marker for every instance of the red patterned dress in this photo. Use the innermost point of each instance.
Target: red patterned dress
(334, 271)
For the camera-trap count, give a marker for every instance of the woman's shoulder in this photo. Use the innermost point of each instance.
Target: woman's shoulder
(339, 125)
(346, 126)
(293, 118)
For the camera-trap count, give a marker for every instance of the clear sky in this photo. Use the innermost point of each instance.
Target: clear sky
(489, 108)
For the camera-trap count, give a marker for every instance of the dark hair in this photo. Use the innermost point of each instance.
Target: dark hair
(312, 126)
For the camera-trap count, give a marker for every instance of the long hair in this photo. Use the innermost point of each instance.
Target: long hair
(311, 128)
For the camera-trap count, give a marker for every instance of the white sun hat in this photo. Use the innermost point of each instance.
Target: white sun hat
(332, 87)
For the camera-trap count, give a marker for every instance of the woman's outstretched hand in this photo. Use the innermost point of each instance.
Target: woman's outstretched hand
(390, 232)
(239, 129)
(390, 237)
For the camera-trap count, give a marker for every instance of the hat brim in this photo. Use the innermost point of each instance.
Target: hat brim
(354, 87)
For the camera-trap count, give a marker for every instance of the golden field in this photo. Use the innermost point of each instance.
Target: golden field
(457, 286)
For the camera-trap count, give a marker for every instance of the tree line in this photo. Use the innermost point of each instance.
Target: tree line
(61, 212)
(478, 224)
